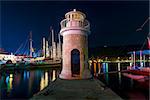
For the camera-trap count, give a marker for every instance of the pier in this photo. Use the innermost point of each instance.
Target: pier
(91, 89)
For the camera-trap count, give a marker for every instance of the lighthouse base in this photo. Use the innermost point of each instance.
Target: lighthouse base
(86, 74)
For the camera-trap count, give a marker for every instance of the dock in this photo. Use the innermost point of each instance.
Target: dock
(30, 67)
(90, 89)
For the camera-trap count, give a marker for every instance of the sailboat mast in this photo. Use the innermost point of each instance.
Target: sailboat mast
(148, 40)
(44, 48)
(30, 43)
(53, 45)
(52, 36)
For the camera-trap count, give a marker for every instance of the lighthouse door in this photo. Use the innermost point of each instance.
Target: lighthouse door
(75, 61)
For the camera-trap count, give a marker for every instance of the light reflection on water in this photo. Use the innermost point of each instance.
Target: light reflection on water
(119, 77)
(54, 75)
(9, 80)
(44, 81)
(23, 83)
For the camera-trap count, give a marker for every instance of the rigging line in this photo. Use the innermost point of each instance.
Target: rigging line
(145, 22)
(143, 44)
(137, 41)
(26, 50)
(140, 42)
(139, 29)
(18, 48)
(145, 41)
(25, 45)
(142, 28)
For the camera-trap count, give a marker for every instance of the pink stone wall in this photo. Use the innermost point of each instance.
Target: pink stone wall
(70, 42)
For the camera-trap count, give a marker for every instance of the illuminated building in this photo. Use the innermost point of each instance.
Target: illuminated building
(6, 57)
(75, 30)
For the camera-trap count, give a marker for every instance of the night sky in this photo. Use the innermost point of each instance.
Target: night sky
(112, 23)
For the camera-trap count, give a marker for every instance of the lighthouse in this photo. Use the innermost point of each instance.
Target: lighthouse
(75, 30)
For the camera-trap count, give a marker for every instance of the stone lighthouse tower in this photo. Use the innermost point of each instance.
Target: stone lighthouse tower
(75, 30)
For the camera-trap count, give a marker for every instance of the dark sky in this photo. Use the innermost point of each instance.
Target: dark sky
(112, 23)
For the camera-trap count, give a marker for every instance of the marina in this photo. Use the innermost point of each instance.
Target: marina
(75, 51)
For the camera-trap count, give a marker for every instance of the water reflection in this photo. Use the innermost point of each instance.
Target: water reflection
(54, 75)
(106, 78)
(119, 77)
(30, 81)
(25, 75)
(23, 83)
(131, 81)
(9, 80)
(44, 81)
(125, 87)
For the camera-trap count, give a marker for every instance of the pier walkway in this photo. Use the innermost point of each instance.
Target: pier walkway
(91, 89)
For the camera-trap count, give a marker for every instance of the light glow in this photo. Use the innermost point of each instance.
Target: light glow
(9, 81)
(54, 75)
(44, 81)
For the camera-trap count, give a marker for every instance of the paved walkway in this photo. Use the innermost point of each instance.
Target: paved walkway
(76, 90)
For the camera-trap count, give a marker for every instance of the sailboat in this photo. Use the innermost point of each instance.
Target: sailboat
(144, 53)
(140, 74)
(28, 59)
(52, 53)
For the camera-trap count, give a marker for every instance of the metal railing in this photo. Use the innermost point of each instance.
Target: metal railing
(75, 23)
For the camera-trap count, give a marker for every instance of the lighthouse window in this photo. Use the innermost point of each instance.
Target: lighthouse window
(78, 16)
(79, 23)
(69, 17)
(65, 24)
(72, 16)
(75, 16)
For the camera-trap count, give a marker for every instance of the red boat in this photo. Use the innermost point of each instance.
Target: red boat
(144, 71)
(142, 76)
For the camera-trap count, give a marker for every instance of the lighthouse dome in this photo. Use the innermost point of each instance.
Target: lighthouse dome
(75, 15)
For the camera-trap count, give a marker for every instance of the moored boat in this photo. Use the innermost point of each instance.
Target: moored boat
(143, 71)
(142, 80)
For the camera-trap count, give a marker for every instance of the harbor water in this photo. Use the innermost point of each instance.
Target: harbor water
(23, 84)
(126, 88)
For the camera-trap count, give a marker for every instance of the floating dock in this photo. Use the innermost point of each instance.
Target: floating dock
(91, 89)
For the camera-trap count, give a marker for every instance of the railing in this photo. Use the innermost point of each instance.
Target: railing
(117, 61)
(74, 23)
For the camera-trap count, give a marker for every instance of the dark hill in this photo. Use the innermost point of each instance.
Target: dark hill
(114, 50)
